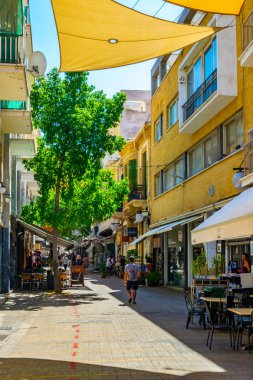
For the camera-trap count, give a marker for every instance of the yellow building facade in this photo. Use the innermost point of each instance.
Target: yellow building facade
(201, 115)
(134, 216)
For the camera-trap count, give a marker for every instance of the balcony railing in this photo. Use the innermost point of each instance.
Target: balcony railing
(138, 192)
(9, 49)
(202, 94)
(13, 105)
(247, 31)
(248, 157)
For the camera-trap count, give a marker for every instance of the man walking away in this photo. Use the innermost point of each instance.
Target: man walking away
(131, 279)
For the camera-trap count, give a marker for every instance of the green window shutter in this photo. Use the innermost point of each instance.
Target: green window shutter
(125, 171)
(133, 172)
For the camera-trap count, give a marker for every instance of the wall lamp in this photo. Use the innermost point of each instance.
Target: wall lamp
(7, 198)
(2, 188)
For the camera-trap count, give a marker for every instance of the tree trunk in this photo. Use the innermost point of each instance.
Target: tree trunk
(57, 282)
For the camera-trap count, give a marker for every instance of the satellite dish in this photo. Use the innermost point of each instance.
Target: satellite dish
(37, 64)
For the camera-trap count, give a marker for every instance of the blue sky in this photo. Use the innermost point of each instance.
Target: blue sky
(134, 77)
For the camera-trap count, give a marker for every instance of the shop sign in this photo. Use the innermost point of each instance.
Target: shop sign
(132, 231)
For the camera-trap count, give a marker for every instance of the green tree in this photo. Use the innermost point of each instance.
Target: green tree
(74, 121)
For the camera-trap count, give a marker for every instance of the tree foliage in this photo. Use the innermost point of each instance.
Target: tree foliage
(75, 123)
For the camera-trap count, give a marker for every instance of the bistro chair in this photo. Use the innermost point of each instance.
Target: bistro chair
(216, 325)
(26, 281)
(194, 308)
(64, 280)
(38, 279)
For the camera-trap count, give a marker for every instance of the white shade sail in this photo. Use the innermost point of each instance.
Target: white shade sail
(235, 220)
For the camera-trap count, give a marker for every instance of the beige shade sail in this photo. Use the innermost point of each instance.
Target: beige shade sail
(235, 220)
(230, 7)
(100, 34)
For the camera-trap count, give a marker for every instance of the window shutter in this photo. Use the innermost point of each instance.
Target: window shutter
(133, 172)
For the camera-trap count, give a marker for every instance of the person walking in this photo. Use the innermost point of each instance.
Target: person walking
(131, 279)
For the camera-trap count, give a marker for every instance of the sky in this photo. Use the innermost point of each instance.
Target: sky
(132, 77)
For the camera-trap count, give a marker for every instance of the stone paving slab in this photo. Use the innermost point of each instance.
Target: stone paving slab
(93, 333)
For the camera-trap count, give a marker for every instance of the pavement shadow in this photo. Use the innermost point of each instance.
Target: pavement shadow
(166, 308)
(37, 300)
(31, 369)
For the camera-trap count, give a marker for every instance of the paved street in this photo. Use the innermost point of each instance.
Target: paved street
(93, 333)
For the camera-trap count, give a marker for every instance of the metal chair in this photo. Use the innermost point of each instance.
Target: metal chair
(194, 308)
(246, 329)
(215, 326)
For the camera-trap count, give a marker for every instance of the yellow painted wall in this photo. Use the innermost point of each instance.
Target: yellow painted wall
(193, 193)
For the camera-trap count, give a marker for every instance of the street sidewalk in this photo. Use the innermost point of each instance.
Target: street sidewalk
(94, 333)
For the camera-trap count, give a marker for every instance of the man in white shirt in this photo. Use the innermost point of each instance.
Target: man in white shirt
(131, 279)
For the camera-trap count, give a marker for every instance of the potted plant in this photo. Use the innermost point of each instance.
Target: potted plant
(199, 265)
(153, 278)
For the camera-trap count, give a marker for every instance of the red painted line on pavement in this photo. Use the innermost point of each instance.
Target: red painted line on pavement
(75, 344)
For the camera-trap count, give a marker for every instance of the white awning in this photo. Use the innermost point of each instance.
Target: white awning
(235, 220)
(161, 230)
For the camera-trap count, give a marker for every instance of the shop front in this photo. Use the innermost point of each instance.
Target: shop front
(231, 228)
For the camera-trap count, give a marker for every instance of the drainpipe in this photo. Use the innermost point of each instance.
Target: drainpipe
(6, 218)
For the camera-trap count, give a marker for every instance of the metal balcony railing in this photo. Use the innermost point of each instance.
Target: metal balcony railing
(248, 157)
(247, 31)
(137, 192)
(200, 96)
(9, 49)
(13, 105)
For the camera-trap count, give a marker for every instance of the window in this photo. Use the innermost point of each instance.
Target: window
(194, 78)
(234, 134)
(174, 174)
(204, 155)
(210, 59)
(132, 173)
(159, 183)
(173, 113)
(202, 69)
(159, 128)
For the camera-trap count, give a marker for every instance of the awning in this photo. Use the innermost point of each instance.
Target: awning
(231, 7)
(161, 230)
(100, 34)
(235, 220)
(45, 234)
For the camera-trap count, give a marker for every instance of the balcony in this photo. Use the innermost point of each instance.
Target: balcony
(137, 192)
(15, 117)
(13, 105)
(13, 81)
(247, 180)
(219, 89)
(247, 42)
(203, 93)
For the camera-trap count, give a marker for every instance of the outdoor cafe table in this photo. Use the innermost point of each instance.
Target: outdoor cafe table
(214, 299)
(242, 312)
